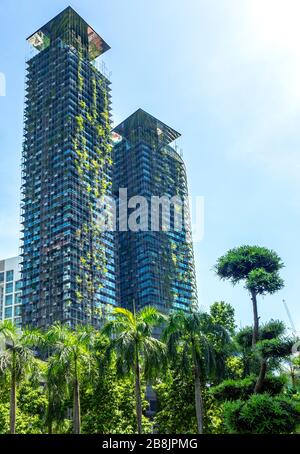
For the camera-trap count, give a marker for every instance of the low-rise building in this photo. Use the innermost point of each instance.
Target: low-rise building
(10, 290)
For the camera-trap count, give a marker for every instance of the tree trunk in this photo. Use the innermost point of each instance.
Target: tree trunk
(138, 398)
(261, 377)
(256, 320)
(49, 417)
(293, 377)
(76, 409)
(198, 400)
(13, 400)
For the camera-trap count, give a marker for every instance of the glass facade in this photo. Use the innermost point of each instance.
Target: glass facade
(154, 267)
(71, 271)
(68, 269)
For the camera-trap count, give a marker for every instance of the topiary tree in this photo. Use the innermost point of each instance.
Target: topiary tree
(244, 350)
(271, 346)
(261, 414)
(230, 390)
(258, 268)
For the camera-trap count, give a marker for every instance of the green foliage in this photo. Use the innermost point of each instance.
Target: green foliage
(213, 418)
(238, 263)
(71, 351)
(71, 360)
(258, 267)
(80, 122)
(32, 404)
(222, 318)
(261, 414)
(234, 367)
(88, 165)
(32, 400)
(272, 345)
(26, 423)
(108, 406)
(242, 389)
(200, 351)
(272, 329)
(131, 334)
(106, 391)
(223, 314)
(137, 351)
(176, 404)
(18, 353)
(192, 339)
(244, 337)
(262, 282)
(275, 348)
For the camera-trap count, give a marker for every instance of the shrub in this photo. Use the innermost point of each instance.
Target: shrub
(25, 423)
(261, 414)
(242, 389)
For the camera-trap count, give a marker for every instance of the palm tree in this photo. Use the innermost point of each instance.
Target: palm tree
(137, 350)
(189, 343)
(17, 360)
(57, 394)
(70, 359)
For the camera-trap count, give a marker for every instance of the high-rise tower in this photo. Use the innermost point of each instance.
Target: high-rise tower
(68, 270)
(155, 264)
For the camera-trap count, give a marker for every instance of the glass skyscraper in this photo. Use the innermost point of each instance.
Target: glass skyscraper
(71, 271)
(156, 264)
(68, 270)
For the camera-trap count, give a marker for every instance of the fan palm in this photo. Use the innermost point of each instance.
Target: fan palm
(17, 360)
(190, 343)
(70, 359)
(137, 350)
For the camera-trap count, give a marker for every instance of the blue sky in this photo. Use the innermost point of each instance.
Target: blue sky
(225, 73)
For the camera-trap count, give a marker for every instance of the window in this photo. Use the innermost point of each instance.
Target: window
(9, 287)
(1, 277)
(8, 312)
(18, 310)
(8, 300)
(9, 275)
(18, 322)
(18, 285)
(18, 298)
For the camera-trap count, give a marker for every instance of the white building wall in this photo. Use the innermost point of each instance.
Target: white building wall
(10, 291)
